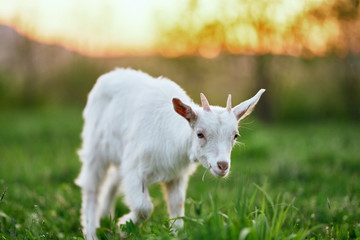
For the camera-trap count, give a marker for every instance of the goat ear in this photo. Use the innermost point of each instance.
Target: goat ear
(184, 110)
(245, 108)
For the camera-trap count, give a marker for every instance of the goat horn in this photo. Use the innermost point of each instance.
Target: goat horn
(228, 103)
(205, 103)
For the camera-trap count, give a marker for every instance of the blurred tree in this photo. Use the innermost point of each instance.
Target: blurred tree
(351, 85)
(347, 13)
(262, 70)
(24, 58)
(262, 80)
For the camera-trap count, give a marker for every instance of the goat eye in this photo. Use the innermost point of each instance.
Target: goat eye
(200, 135)
(236, 136)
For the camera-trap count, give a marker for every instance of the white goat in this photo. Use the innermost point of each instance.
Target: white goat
(150, 131)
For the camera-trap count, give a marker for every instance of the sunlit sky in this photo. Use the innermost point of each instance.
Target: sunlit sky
(172, 27)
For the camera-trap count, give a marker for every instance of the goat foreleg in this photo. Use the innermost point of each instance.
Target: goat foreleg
(175, 197)
(136, 197)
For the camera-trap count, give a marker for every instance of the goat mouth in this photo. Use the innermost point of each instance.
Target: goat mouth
(218, 173)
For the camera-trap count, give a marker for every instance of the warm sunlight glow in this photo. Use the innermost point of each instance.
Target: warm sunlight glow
(107, 27)
(173, 28)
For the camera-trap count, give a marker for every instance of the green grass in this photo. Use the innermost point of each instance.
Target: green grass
(288, 181)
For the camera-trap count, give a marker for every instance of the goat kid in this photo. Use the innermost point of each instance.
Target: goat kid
(139, 130)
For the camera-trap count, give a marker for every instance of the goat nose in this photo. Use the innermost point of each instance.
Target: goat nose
(223, 166)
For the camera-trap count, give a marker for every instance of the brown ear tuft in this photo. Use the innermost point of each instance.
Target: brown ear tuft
(184, 110)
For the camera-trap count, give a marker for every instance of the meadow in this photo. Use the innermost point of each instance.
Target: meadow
(288, 181)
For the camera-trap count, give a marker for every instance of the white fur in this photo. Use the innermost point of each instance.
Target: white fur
(133, 137)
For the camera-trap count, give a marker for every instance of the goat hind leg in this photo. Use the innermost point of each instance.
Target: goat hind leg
(89, 180)
(108, 193)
